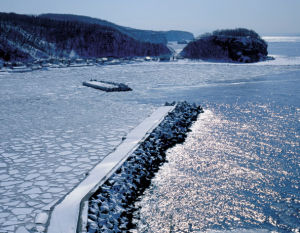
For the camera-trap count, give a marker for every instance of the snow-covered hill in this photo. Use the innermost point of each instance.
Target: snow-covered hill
(24, 38)
(156, 37)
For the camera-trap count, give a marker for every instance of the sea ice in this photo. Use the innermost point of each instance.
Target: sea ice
(8, 183)
(40, 228)
(33, 191)
(82, 160)
(33, 196)
(27, 142)
(13, 221)
(5, 200)
(46, 171)
(9, 228)
(40, 178)
(3, 215)
(65, 153)
(114, 143)
(35, 152)
(3, 177)
(47, 207)
(13, 172)
(41, 183)
(41, 218)
(2, 165)
(46, 201)
(13, 203)
(18, 211)
(32, 203)
(55, 190)
(8, 155)
(31, 176)
(21, 217)
(66, 145)
(46, 195)
(20, 160)
(63, 169)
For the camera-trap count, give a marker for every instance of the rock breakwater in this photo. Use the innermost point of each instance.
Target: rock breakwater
(111, 207)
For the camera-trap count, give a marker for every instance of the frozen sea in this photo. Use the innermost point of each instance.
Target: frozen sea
(239, 168)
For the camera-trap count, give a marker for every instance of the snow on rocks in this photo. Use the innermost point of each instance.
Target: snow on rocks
(111, 207)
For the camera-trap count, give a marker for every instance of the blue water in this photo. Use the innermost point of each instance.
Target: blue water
(238, 170)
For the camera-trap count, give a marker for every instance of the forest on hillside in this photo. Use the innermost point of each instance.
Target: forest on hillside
(25, 37)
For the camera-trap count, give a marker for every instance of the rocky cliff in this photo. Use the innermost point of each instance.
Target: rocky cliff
(238, 45)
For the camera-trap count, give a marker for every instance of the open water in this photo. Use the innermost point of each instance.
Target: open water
(238, 170)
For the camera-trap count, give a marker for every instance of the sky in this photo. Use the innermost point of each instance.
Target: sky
(267, 17)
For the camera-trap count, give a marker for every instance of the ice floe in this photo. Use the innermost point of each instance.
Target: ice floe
(63, 169)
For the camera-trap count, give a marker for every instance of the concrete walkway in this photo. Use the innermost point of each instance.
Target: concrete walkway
(64, 218)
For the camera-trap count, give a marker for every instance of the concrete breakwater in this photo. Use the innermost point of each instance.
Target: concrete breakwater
(106, 85)
(112, 205)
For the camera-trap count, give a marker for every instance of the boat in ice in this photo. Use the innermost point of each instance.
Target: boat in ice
(106, 85)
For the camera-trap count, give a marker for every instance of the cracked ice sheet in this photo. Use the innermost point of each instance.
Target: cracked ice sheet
(43, 159)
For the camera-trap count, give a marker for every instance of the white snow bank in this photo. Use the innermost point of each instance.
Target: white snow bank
(64, 216)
